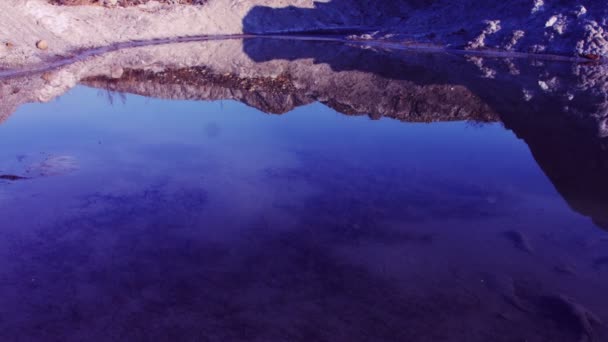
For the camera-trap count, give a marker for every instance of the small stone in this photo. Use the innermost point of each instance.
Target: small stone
(47, 76)
(42, 44)
(116, 72)
(592, 56)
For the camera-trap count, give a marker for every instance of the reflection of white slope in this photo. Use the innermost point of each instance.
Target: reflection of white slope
(274, 86)
(348, 92)
(277, 85)
(240, 78)
(562, 122)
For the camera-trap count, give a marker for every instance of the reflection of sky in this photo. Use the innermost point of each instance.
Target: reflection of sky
(82, 119)
(225, 146)
(143, 187)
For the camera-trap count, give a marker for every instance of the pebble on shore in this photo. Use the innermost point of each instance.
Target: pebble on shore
(42, 44)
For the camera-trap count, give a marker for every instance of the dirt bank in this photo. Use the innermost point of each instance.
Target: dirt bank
(530, 26)
(124, 3)
(66, 29)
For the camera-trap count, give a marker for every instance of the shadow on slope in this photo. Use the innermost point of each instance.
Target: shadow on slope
(572, 28)
(329, 16)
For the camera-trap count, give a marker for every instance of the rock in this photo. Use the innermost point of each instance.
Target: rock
(116, 72)
(591, 56)
(47, 77)
(42, 44)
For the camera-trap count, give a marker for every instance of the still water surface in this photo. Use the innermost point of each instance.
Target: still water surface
(147, 219)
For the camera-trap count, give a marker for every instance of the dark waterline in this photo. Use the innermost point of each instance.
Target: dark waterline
(137, 218)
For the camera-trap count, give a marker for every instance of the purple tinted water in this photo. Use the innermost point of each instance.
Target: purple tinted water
(148, 219)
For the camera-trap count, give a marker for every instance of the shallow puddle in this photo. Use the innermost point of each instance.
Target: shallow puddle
(264, 190)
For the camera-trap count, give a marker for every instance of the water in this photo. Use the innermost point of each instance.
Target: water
(190, 214)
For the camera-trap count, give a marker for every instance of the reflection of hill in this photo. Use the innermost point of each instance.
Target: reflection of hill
(573, 158)
(559, 110)
(270, 95)
(349, 93)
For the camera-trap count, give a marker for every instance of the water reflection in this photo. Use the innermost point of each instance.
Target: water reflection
(558, 109)
(189, 220)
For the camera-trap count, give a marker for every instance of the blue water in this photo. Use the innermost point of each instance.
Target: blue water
(148, 219)
(227, 147)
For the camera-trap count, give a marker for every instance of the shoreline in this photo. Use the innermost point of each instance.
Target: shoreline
(82, 55)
